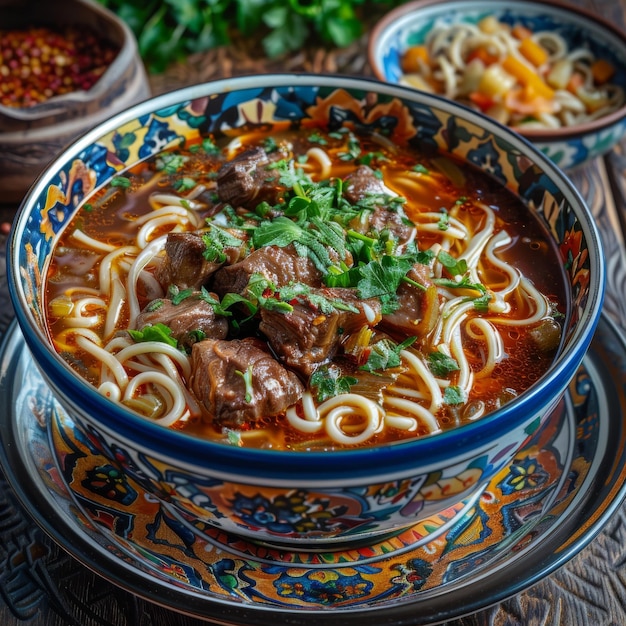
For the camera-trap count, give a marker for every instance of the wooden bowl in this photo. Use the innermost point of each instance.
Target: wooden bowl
(31, 137)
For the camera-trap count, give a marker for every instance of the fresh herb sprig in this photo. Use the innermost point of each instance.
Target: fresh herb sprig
(170, 30)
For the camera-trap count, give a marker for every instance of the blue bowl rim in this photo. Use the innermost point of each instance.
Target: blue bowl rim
(318, 467)
(558, 7)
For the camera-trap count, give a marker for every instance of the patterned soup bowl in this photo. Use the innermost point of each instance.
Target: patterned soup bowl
(582, 33)
(305, 497)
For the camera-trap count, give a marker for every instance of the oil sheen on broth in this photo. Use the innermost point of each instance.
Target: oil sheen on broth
(304, 289)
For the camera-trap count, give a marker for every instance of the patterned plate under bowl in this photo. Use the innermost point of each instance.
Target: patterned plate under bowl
(541, 510)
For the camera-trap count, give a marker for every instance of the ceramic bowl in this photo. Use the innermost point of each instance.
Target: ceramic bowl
(31, 137)
(568, 147)
(305, 497)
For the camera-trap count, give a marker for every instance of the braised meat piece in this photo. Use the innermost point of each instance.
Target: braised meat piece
(184, 264)
(311, 334)
(361, 183)
(279, 265)
(419, 308)
(217, 381)
(363, 188)
(191, 320)
(246, 180)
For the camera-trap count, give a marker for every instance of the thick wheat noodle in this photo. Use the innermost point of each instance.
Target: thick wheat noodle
(334, 410)
(115, 306)
(450, 45)
(142, 260)
(411, 403)
(422, 415)
(321, 157)
(492, 340)
(105, 271)
(90, 242)
(176, 402)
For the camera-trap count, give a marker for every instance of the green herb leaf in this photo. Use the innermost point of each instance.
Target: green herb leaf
(453, 395)
(156, 332)
(330, 383)
(178, 295)
(441, 364)
(385, 354)
(120, 181)
(247, 379)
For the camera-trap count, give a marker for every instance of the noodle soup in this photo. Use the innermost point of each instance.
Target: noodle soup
(555, 72)
(306, 290)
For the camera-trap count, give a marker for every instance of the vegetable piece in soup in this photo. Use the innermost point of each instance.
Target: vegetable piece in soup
(527, 80)
(306, 290)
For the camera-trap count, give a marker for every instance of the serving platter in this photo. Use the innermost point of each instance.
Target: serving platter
(539, 511)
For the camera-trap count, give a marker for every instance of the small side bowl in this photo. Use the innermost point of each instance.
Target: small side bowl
(305, 498)
(568, 147)
(31, 137)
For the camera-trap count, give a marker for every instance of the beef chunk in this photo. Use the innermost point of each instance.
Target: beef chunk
(362, 183)
(419, 308)
(185, 319)
(279, 265)
(311, 334)
(363, 188)
(222, 391)
(246, 180)
(184, 264)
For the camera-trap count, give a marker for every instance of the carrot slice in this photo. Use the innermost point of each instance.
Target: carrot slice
(414, 57)
(481, 100)
(602, 71)
(535, 53)
(482, 54)
(527, 76)
(520, 32)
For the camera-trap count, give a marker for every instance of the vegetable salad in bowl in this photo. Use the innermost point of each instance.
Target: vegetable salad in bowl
(555, 73)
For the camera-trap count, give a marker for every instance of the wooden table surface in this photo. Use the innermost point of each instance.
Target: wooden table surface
(41, 585)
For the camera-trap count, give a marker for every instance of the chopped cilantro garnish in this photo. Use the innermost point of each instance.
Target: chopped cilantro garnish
(120, 181)
(458, 269)
(270, 145)
(170, 163)
(353, 149)
(369, 157)
(156, 332)
(155, 305)
(453, 395)
(215, 240)
(385, 354)
(444, 220)
(178, 295)
(482, 303)
(247, 379)
(330, 383)
(441, 364)
(233, 437)
(184, 184)
(317, 138)
(197, 335)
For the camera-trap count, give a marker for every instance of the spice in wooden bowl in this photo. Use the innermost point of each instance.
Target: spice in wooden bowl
(37, 63)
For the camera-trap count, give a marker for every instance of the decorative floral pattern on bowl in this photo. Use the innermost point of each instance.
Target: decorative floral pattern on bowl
(538, 512)
(569, 148)
(354, 494)
(438, 551)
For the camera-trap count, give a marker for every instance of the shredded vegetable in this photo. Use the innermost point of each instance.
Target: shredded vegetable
(520, 78)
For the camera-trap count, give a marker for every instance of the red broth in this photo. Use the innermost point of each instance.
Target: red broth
(422, 296)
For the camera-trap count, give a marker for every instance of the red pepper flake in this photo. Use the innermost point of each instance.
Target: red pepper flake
(38, 63)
